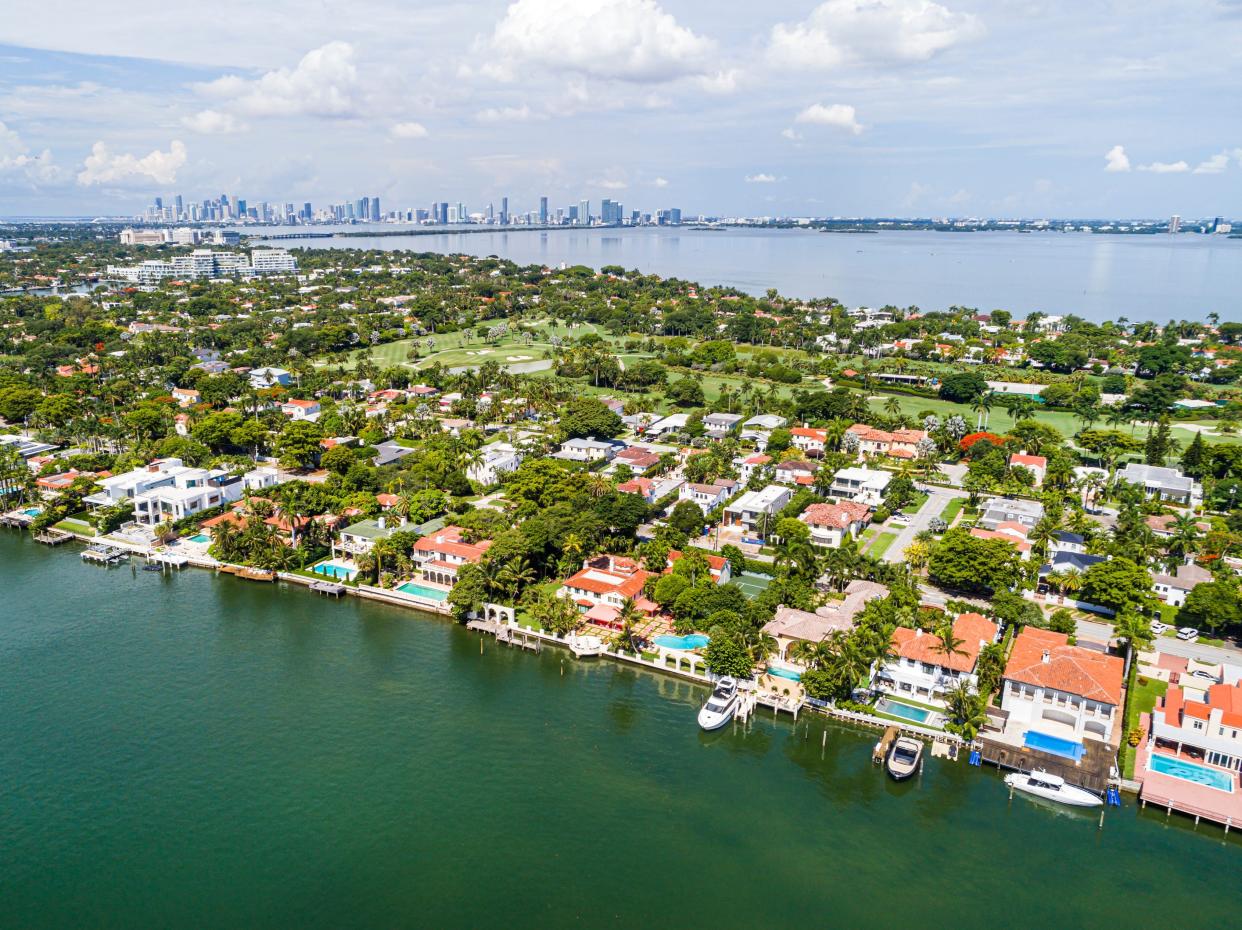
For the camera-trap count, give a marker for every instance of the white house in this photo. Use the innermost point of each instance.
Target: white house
(674, 422)
(1211, 728)
(301, 409)
(497, 460)
(746, 465)
(809, 441)
(588, 450)
(186, 491)
(264, 476)
(359, 538)
(1173, 589)
(1167, 484)
(270, 377)
(860, 484)
(750, 510)
(707, 496)
(831, 524)
(921, 669)
(1063, 691)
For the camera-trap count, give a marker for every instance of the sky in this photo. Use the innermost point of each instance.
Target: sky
(1030, 108)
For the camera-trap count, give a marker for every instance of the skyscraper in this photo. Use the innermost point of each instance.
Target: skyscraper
(461, 212)
(504, 211)
(584, 213)
(180, 206)
(443, 212)
(543, 211)
(306, 211)
(1175, 223)
(375, 210)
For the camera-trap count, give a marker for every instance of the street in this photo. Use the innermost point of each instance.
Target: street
(937, 500)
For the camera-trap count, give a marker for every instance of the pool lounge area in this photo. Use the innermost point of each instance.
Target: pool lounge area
(687, 642)
(916, 715)
(414, 589)
(1053, 745)
(1185, 769)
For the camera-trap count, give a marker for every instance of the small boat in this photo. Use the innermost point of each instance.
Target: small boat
(721, 706)
(904, 757)
(1041, 784)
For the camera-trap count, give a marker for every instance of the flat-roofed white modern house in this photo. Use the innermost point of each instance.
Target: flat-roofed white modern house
(754, 510)
(861, 485)
(167, 489)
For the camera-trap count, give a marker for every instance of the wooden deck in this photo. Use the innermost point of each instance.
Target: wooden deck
(1093, 771)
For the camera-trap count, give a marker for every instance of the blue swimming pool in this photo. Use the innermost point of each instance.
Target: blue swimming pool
(1191, 771)
(691, 641)
(418, 590)
(904, 711)
(789, 673)
(332, 570)
(200, 538)
(1054, 745)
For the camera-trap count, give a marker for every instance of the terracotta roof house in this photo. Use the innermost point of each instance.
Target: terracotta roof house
(1062, 692)
(830, 524)
(922, 669)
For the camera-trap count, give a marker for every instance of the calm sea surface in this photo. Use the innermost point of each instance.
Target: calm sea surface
(1099, 277)
(194, 751)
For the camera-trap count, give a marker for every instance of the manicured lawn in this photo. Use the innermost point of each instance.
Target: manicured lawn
(998, 421)
(73, 525)
(1140, 701)
(919, 500)
(880, 546)
(952, 509)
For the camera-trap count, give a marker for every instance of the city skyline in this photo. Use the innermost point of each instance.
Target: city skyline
(897, 107)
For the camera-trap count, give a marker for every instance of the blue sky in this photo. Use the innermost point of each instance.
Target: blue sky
(843, 107)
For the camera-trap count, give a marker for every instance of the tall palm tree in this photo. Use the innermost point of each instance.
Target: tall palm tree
(514, 575)
(948, 644)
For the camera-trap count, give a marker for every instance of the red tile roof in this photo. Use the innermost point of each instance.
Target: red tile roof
(1067, 668)
(839, 515)
(974, 631)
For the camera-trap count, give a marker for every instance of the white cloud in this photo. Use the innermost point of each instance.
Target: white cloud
(791, 134)
(761, 178)
(102, 167)
(660, 182)
(1214, 165)
(608, 183)
(213, 122)
(324, 83)
(1116, 159)
(520, 114)
(1166, 167)
(16, 160)
(408, 131)
(840, 32)
(838, 115)
(628, 40)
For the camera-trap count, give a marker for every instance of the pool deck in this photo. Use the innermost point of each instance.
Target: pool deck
(1186, 797)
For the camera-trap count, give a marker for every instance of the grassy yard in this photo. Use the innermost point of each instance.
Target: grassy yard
(75, 525)
(881, 544)
(952, 509)
(1140, 701)
(920, 498)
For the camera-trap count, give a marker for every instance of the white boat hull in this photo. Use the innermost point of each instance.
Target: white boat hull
(1062, 794)
(712, 721)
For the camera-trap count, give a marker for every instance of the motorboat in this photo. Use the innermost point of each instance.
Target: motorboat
(721, 706)
(1041, 784)
(904, 756)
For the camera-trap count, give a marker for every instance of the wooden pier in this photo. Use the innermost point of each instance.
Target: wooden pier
(257, 574)
(511, 635)
(53, 537)
(327, 588)
(105, 555)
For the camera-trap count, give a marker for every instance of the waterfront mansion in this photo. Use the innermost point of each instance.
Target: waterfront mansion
(922, 668)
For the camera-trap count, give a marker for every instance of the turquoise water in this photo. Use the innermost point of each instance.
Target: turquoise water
(332, 570)
(690, 641)
(200, 538)
(1189, 771)
(1066, 748)
(197, 751)
(784, 673)
(32, 511)
(905, 711)
(431, 594)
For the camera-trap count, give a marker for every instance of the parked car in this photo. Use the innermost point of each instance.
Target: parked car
(1200, 673)
(1188, 633)
(1160, 628)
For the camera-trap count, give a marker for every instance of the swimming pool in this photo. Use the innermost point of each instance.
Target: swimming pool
(332, 570)
(904, 711)
(691, 641)
(789, 673)
(1191, 771)
(200, 538)
(418, 590)
(32, 511)
(1054, 745)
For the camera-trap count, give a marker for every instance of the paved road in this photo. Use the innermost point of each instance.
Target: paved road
(1100, 632)
(937, 500)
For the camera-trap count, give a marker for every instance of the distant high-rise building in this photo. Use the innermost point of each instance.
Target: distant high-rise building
(504, 211)
(674, 216)
(179, 205)
(584, 212)
(461, 212)
(572, 213)
(443, 212)
(306, 211)
(1175, 223)
(543, 211)
(376, 216)
(490, 213)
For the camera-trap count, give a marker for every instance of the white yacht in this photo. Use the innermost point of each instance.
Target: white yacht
(1052, 787)
(903, 758)
(721, 706)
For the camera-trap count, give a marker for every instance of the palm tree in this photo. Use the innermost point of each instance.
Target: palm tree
(948, 644)
(514, 575)
(1185, 529)
(1135, 629)
(983, 409)
(967, 710)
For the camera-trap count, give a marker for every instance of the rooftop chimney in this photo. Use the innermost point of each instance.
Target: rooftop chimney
(1047, 656)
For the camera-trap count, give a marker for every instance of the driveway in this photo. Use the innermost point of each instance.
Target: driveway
(937, 500)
